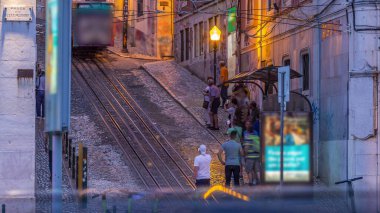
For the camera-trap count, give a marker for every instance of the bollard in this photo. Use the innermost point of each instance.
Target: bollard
(80, 168)
(76, 171)
(104, 202)
(155, 206)
(73, 164)
(84, 178)
(113, 209)
(69, 154)
(3, 208)
(129, 204)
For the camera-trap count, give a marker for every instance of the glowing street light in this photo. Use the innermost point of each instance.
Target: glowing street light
(215, 34)
(215, 37)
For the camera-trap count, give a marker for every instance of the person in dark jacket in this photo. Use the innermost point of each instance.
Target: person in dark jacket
(40, 93)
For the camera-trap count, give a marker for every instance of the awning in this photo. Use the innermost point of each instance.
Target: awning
(266, 75)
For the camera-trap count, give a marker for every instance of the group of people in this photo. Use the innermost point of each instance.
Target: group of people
(242, 150)
(212, 95)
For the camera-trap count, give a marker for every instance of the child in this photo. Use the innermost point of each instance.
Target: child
(230, 108)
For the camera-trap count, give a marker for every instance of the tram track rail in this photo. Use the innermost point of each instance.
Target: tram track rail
(143, 143)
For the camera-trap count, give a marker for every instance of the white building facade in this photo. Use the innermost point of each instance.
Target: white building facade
(335, 45)
(17, 105)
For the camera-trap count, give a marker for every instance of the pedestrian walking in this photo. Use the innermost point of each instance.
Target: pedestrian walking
(40, 93)
(233, 153)
(252, 154)
(206, 104)
(202, 168)
(214, 104)
(223, 79)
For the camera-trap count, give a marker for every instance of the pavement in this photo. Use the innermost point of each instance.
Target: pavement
(186, 89)
(118, 52)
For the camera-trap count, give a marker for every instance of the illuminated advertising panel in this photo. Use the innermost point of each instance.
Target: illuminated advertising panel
(297, 147)
(53, 97)
(58, 65)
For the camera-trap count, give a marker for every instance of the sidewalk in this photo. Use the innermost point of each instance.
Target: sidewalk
(186, 89)
(118, 52)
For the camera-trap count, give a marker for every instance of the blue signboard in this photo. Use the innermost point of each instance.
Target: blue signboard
(58, 65)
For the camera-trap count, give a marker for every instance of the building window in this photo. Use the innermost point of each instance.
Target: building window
(140, 7)
(286, 61)
(182, 46)
(269, 4)
(201, 38)
(196, 40)
(249, 10)
(187, 43)
(305, 67)
(211, 24)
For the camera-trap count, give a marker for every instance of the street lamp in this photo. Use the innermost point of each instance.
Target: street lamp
(215, 37)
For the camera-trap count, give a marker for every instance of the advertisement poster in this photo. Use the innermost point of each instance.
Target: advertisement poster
(52, 95)
(297, 147)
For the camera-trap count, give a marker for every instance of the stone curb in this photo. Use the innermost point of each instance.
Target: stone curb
(184, 106)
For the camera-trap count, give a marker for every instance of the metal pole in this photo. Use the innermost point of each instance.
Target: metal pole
(215, 62)
(125, 26)
(57, 173)
(282, 129)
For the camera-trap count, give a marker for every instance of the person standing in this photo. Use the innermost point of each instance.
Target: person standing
(233, 153)
(252, 154)
(214, 104)
(223, 79)
(202, 168)
(40, 93)
(206, 104)
(230, 108)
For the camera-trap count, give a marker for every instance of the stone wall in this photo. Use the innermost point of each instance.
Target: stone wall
(17, 110)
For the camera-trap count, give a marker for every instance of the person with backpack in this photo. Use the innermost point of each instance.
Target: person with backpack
(251, 144)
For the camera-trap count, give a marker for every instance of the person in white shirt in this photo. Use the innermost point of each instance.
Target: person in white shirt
(202, 168)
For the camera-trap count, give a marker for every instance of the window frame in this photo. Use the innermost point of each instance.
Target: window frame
(140, 8)
(182, 45)
(303, 53)
(196, 40)
(201, 37)
(286, 58)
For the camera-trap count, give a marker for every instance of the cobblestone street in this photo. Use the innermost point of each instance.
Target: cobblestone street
(168, 115)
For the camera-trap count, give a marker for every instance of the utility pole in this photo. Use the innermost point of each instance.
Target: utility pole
(283, 97)
(238, 37)
(125, 26)
(58, 75)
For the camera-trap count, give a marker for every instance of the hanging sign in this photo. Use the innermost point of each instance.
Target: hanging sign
(231, 20)
(18, 13)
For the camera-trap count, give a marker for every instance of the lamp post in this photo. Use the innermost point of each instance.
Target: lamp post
(215, 37)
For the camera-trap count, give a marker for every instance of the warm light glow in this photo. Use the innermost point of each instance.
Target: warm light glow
(215, 34)
(226, 191)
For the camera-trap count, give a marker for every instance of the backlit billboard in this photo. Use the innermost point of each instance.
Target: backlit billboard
(297, 147)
